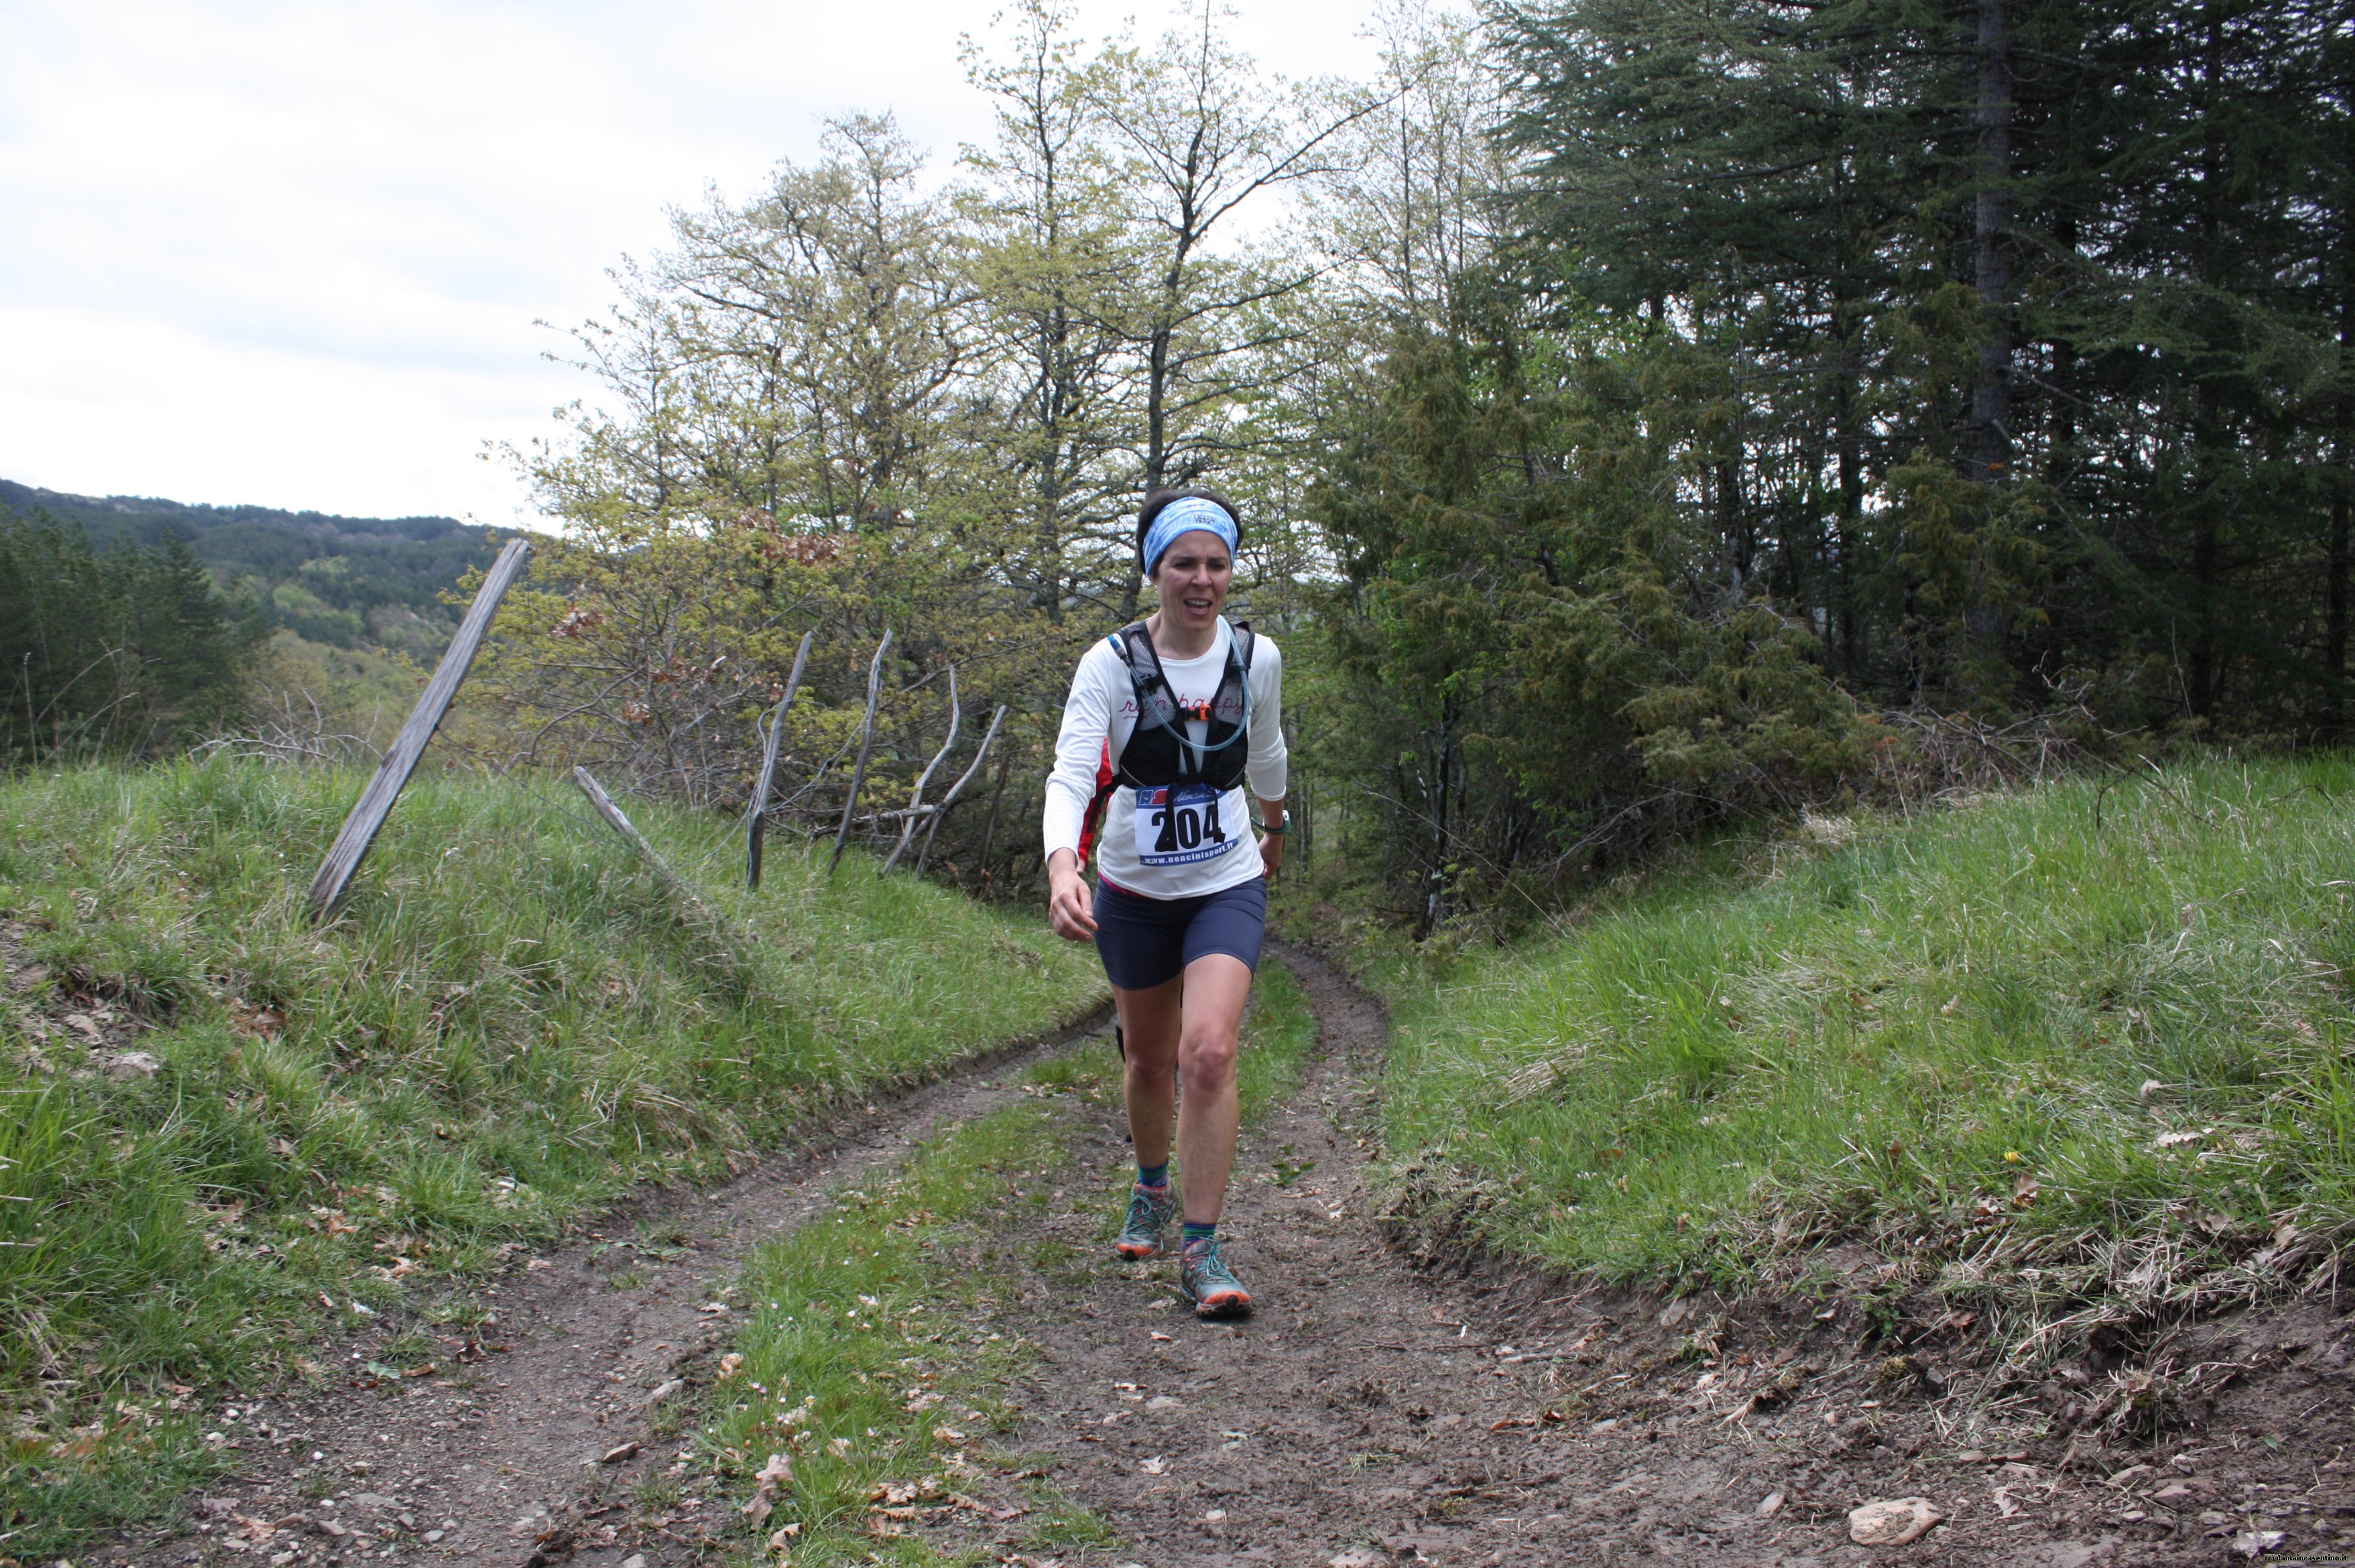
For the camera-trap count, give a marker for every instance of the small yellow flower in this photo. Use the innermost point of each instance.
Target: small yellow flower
(2011, 1156)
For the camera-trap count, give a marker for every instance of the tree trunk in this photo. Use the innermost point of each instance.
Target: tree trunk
(2212, 446)
(1733, 525)
(1841, 623)
(1989, 451)
(2334, 636)
(2342, 507)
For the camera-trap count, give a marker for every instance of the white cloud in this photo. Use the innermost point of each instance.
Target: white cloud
(291, 253)
(145, 408)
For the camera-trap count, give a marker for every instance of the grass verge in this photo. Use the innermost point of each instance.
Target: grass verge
(223, 1112)
(2073, 1055)
(870, 1367)
(855, 1407)
(1278, 1035)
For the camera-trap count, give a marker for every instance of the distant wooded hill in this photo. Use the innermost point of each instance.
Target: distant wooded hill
(348, 581)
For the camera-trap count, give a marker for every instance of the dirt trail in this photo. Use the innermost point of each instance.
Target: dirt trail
(501, 1458)
(1370, 1414)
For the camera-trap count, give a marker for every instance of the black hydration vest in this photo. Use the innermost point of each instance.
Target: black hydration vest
(1158, 751)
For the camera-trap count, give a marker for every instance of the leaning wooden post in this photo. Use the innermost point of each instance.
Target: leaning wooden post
(957, 788)
(628, 829)
(375, 803)
(755, 825)
(915, 814)
(866, 743)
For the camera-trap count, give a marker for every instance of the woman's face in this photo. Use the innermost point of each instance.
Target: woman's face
(1193, 576)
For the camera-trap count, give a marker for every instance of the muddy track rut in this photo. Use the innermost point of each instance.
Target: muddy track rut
(1370, 1413)
(523, 1451)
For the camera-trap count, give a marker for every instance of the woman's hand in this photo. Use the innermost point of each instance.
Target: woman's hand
(1067, 899)
(1270, 854)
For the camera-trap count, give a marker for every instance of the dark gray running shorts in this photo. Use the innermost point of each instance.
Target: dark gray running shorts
(1148, 941)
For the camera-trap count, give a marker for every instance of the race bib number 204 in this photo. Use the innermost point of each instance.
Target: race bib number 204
(1177, 824)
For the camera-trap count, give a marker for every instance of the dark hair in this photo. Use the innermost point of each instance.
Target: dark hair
(1160, 498)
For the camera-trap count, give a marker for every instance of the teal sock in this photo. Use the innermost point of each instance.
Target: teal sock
(1153, 1175)
(1198, 1232)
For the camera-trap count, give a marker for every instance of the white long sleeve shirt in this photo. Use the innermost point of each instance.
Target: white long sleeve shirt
(1103, 706)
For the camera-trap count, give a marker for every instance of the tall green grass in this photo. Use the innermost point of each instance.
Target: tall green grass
(508, 1023)
(2089, 1042)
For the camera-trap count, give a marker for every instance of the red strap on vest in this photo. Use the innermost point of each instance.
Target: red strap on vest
(1106, 777)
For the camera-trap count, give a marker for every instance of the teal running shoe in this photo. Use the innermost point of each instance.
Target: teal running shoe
(1209, 1284)
(1150, 1209)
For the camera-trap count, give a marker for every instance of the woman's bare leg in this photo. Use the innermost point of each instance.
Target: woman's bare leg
(1211, 1025)
(1149, 1034)
(1192, 1025)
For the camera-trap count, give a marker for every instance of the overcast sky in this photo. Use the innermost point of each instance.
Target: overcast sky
(293, 254)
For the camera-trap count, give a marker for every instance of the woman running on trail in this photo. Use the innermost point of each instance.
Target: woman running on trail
(1165, 721)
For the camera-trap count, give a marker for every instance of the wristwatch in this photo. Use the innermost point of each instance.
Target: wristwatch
(1280, 829)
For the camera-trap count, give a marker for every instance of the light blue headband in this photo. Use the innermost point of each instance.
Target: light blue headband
(1185, 516)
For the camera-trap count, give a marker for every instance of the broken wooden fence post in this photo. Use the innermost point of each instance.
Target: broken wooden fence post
(957, 788)
(916, 801)
(628, 829)
(375, 803)
(755, 824)
(866, 743)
